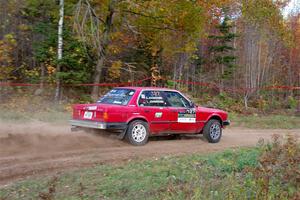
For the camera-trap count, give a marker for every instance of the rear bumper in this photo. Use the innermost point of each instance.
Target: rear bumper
(99, 125)
(226, 123)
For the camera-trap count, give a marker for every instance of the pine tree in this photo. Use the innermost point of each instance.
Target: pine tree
(223, 50)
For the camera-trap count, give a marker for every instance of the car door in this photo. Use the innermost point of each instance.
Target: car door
(182, 115)
(153, 106)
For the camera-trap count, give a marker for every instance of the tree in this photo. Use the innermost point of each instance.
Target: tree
(95, 31)
(169, 30)
(59, 49)
(74, 66)
(264, 33)
(7, 46)
(223, 49)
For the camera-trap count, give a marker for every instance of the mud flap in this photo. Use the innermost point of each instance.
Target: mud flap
(122, 134)
(75, 128)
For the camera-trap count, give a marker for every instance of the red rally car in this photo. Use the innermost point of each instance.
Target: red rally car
(140, 112)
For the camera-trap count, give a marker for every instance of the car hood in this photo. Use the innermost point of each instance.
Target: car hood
(212, 110)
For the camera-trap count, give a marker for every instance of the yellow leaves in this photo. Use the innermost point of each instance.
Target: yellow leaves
(5, 71)
(80, 61)
(113, 49)
(7, 46)
(50, 69)
(195, 57)
(33, 73)
(23, 27)
(116, 35)
(77, 50)
(190, 47)
(51, 50)
(68, 107)
(266, 15)
(212, 7)
(119, 41)
(9, 38)
(154, 50)
(115, 70)
(155, 74)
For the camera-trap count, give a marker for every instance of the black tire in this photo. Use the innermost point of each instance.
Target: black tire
(137, 138)
(213, 131)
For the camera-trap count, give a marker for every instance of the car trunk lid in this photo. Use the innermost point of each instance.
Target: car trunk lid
(93, 112)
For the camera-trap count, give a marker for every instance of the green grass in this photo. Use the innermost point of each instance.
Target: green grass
(152, 179)
(265, 121)
(51, 114)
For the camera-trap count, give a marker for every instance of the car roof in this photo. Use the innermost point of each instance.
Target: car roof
(148, 88)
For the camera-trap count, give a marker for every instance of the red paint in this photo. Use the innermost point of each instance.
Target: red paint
(161, 119)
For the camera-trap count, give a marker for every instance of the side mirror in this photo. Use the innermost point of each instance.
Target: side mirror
(192, 104)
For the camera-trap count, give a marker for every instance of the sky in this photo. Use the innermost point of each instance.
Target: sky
(294, 6)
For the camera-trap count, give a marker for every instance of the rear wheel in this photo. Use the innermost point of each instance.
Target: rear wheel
(137, 133)
(213, 131)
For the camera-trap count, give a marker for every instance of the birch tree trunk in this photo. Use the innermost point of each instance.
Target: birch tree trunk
(59, 49)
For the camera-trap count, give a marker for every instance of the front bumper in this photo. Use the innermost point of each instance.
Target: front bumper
(226, 123)
(98, 125)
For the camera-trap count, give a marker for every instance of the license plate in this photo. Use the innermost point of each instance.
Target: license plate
(88, 115)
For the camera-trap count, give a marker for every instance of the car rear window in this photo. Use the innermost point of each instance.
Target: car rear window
(117, 96)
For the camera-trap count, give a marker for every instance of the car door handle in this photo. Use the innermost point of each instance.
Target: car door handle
(146, 111)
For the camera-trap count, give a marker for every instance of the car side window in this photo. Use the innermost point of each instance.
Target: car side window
(152, 98)
(176, 100)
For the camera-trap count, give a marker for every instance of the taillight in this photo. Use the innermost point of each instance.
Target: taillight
(75, 112)
(105, 116)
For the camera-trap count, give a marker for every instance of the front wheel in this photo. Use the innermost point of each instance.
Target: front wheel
(137, 133)
(212, 131)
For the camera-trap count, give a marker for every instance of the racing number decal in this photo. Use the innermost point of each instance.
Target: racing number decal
(189, 116)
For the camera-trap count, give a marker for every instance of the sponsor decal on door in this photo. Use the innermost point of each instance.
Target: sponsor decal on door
(187, 117)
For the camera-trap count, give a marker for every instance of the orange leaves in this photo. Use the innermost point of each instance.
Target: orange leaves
(113, 49)
(50, 69)
(119, 42)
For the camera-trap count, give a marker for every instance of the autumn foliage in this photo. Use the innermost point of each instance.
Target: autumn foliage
(124, 41)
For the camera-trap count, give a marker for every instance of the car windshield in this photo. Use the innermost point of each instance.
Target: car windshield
(118, 96)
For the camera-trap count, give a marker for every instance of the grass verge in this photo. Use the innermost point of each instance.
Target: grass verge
(47, 113)
(56, 113)
(264, 172)
(271, 121)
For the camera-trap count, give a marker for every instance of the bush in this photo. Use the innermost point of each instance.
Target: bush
(292, 102)
(274, 174)
(277, 175)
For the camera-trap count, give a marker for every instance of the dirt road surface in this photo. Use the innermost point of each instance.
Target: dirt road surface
(36, 149)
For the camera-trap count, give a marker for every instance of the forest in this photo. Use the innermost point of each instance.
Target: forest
(242, 53)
